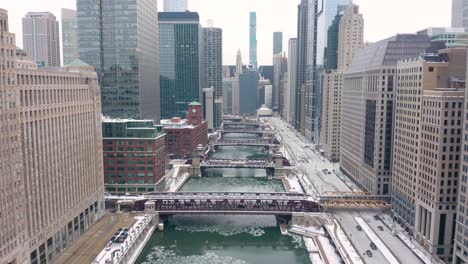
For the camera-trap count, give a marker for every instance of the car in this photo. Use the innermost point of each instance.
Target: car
(373, 246)
(376, 217)
(369, 253)
(380, 228)
(359, 228)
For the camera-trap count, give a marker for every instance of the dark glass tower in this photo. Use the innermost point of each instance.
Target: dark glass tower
(120, 38)
(180, 39)
(277, 42)
(331, 54)
(248, 91)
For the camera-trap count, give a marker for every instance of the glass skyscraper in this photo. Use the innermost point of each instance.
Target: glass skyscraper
(69, 36)
(253, 39)
(120, 38)
(248, 91)
(277, 42)
(180, 48)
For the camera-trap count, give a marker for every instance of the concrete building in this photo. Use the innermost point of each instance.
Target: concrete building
(292, 74)
(227, 95)
(269, 96)
(239, 64)
(427, 139)
(127, 60)
(126, 170)
(208, 107)
(451, 37)
(175, 6)
(184, 135)
(367, 110)
(347, 33)
(41, 38)
(181, 49)
(248, 91)
(262, 84)
(253, 39)
(280, 66)
(213, 64)
(277, 43)
(459, 13)
(69, 36)
(51, 156)
(284, 97)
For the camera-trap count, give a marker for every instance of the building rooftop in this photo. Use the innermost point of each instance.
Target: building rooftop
(194, 104)
(178, 16)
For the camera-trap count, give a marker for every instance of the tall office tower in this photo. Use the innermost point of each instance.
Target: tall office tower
(213, 64)
(280, 65)
(208, 107)
(331, 55)
(227, 95)
(427, 139)
(175, 6)
(326, 12)
(367, 110)
(269, 96)
(277, 42)
(262, 83)
(459, 13)
(292, 74)
(306, 58)
(267, 72)
(41, 38)
(69, 36)
(351, 36)
(181, 62)
(239, 65)
(125, 52)
(461, 230)
(248, 91)
(253, 39)
(51, 164)
(284, 97)
(346, 32)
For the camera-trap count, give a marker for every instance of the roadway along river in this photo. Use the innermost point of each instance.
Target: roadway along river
(226, 239)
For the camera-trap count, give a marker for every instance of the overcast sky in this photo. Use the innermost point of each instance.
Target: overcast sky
(383, 18)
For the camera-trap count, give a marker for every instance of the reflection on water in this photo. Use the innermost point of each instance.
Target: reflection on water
(240, 152)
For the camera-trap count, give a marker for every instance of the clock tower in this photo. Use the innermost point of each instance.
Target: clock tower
(194, 114)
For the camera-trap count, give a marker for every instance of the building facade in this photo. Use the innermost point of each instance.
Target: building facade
(292, 74)
(253, 39)
(351, 36)
(248, 91)
(367, 110)
(125, 52)
(459, 13)
(331, 55)
(134, 155)
(277, 43)
(331, 115)
(184, 135)
(181, 62)
(51, 172)
(41, 38)
(69, 36)
(280, 66)
(213, 64)
(175, 6)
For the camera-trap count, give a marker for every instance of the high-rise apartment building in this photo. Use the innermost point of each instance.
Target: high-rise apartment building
(41, 38)
(347, 33)
(213, 64)
(69, 36)
(253, 39)
(427, 139)
(51, 164)
(175, 6)
(280, 66)
(292, 75)
(181, 48)
(125, 52)
(277, 42)
(367, 104)
(459, 13)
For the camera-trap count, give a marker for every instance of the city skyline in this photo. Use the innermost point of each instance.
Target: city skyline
(235, 24)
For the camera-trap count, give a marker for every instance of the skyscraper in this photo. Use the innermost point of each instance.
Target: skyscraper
(248, 91)
(50, 160)
(41, 38)
(125, 52)
(175, 6)
(181, 62)
(351, 36)
(253, 39)
(277, 42)
(280, 65)
(331, 55)
(239, 65)
(69, 36)
(459, 13)
(292, 74)
(213, 63)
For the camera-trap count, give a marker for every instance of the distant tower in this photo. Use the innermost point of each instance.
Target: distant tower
(253, 39)
(194, 114)
(238, 63)
(41, 38)
(69, 36)
(277, 42)
(175, 6)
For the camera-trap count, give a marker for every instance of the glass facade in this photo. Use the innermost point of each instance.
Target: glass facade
(69, 36)
(331, 54)
(277, 42)
(248, 91)
(120, 39)
(253, 39)
(180, 49)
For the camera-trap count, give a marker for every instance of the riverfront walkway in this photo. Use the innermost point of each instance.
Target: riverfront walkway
(88, 246)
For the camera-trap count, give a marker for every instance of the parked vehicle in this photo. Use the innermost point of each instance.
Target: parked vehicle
(369, 253)
(380, 228)
(359, 228)
(373, 246)
(376, 217)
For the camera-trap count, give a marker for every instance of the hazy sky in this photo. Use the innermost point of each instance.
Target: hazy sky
(383, 18)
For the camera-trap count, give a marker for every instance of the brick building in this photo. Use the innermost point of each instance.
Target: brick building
(134, 155)
(183, 135)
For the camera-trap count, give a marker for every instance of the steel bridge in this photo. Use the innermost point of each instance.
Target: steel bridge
(225, 163)
(354, 200)
(259, 143)
(232, 203)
